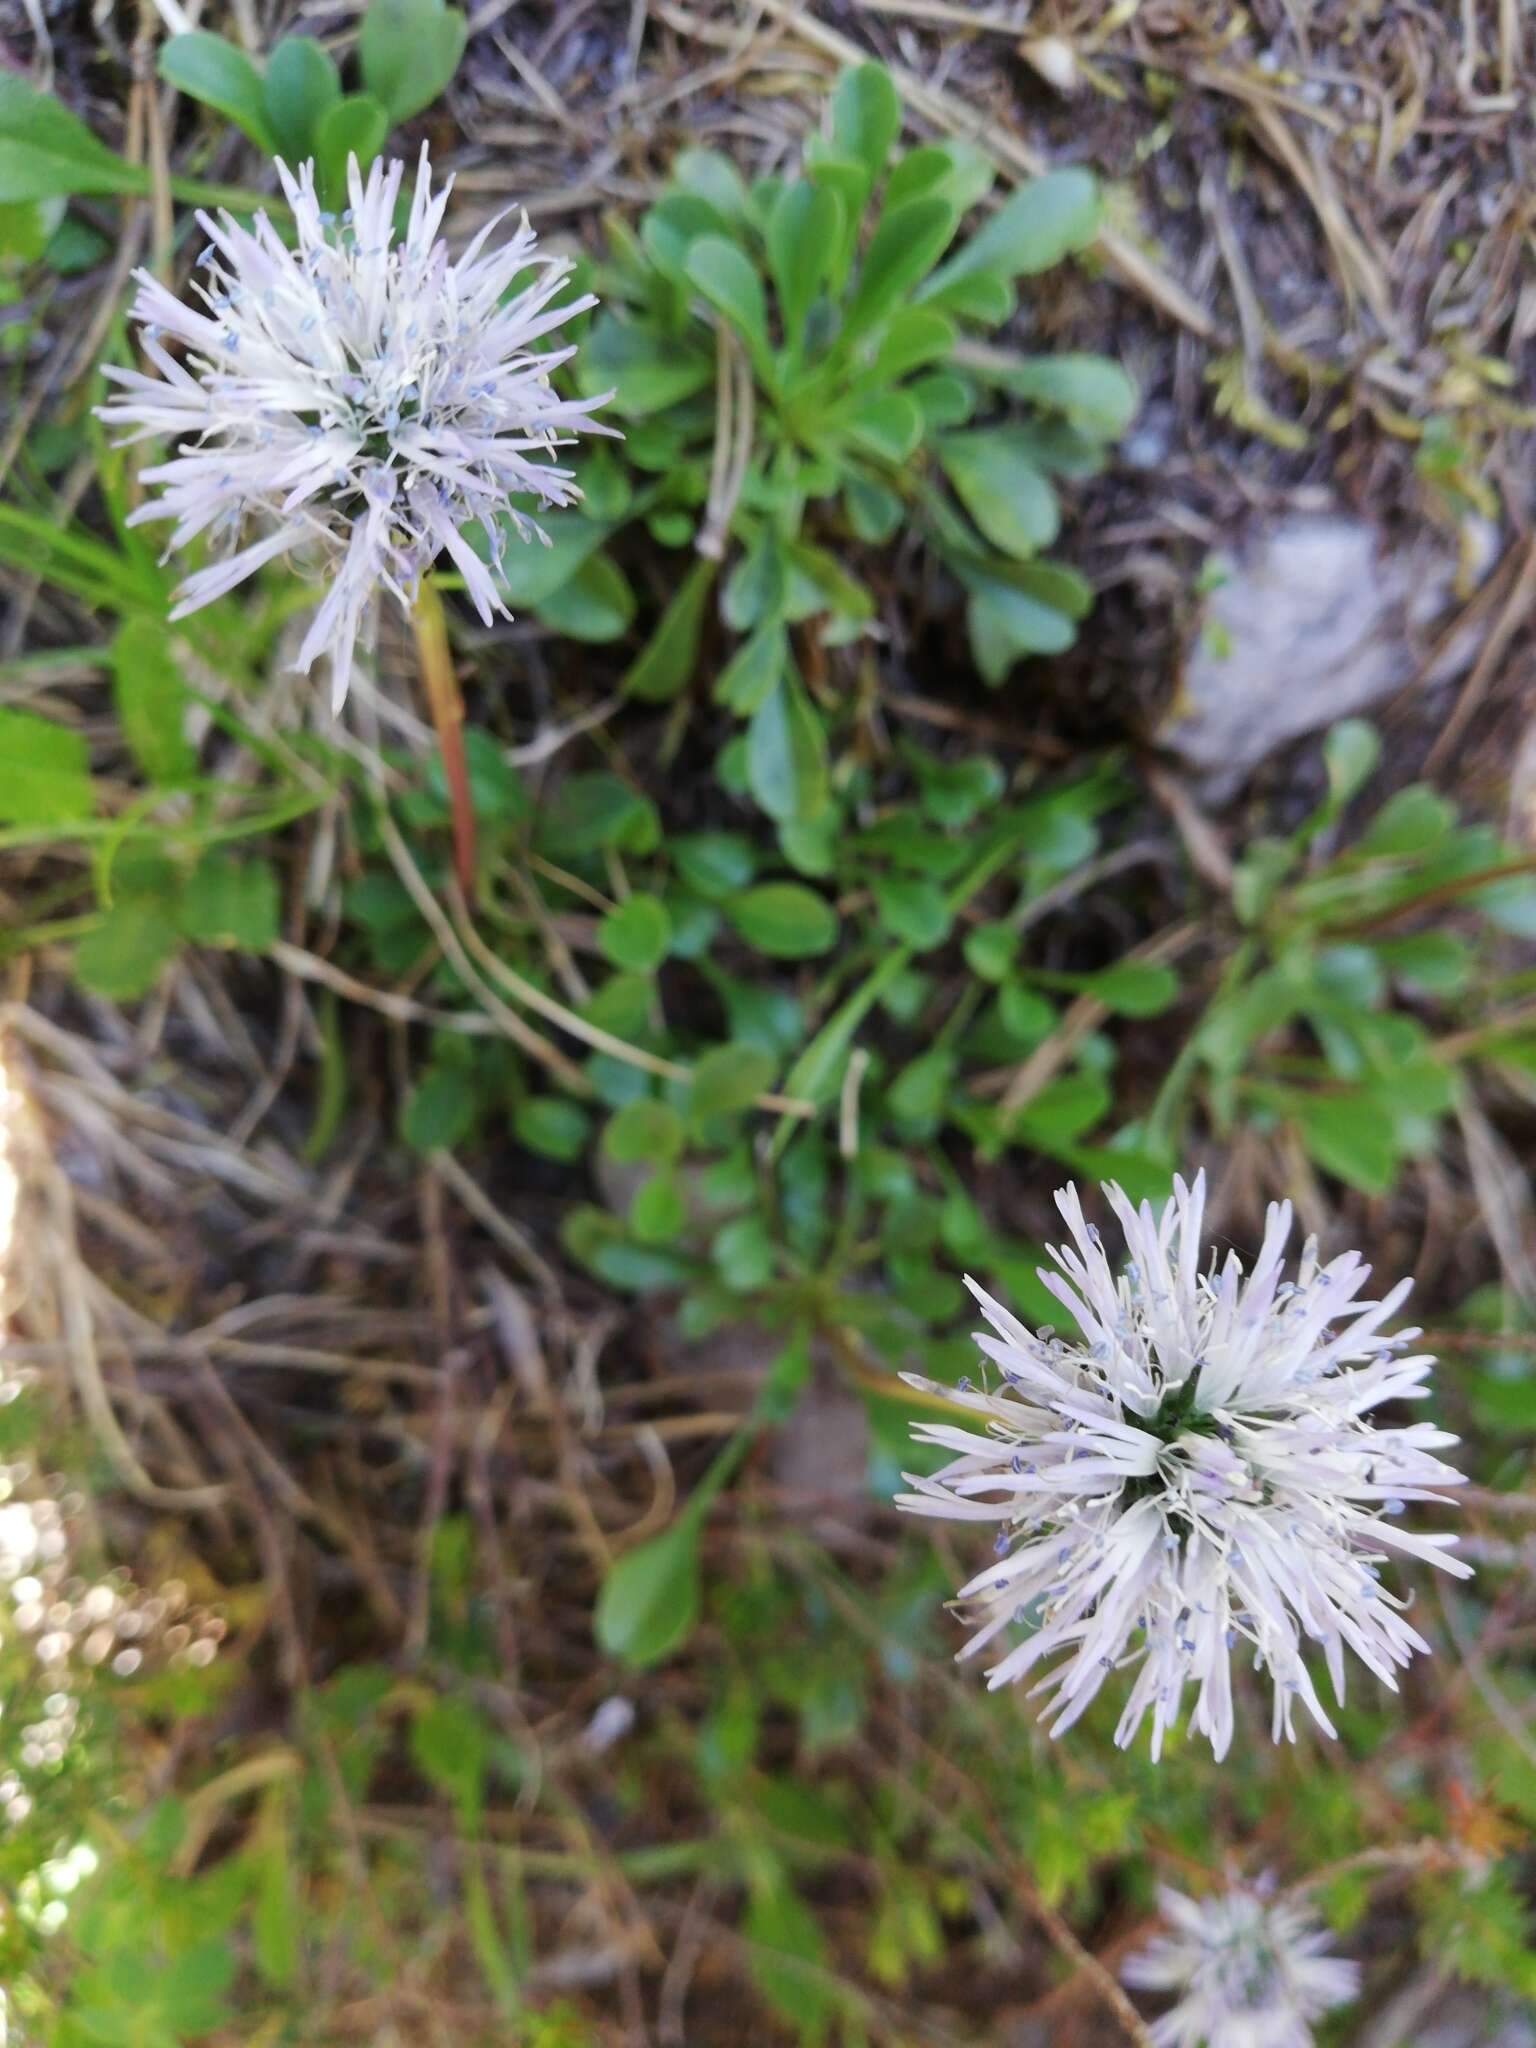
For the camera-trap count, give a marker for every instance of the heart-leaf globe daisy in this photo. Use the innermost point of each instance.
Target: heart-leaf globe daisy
(1247, 1972)
(354, 401)
(1199, 1472)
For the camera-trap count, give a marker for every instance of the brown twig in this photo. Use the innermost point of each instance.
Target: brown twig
(446, 702)
(1511, 616)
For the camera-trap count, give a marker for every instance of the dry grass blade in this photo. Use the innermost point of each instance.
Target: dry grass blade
(1511, 617)
(515, 1028)
(509, 1235)
(57, 1310)
(1360, 274)
(579, 1027)
(398, 1008)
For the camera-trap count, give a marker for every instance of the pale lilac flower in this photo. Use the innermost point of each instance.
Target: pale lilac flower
(1196, 1473)
(355, 401)
(1248, 1972)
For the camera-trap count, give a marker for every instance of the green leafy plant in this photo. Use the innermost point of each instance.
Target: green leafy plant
(48, 156)
(84, 1658)
(802, 370)
(772, 1056)
(295, 107)
(1365, 983)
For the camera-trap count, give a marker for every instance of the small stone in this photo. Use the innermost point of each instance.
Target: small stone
(1312, 621)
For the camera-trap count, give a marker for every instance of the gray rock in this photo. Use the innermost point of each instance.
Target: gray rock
(1312, 622)
(821, 1451)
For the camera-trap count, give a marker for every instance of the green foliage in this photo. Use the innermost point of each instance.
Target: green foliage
(300, 87)
(47, 152)
(1481, 1927)
(355, 126)
(1361, 988)
(44, 771)
(151, 699)
(409, 50)
(154, 905)
(206, 67)
(294, 106)
(788, 1958)
(68, 1880)
(821, 333)
(649, 1604)
(805, 1022)
(1499, 1386)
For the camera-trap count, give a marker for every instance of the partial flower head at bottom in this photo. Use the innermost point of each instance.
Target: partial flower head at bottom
(1248, 1972)
(1197, 1473)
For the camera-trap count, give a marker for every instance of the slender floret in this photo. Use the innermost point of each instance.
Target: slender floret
(1198, 1471)
(1248, 1972)
(354, 401)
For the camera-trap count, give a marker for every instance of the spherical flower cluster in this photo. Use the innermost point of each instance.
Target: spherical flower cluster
(361, 401)
(1199, 1471)
(1248, 1972)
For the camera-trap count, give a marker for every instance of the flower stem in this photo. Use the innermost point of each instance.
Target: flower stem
(447, 708)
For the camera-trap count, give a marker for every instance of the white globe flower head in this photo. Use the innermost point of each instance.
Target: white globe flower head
(1248, 1972)
(1198, 1471)
(357, 400)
